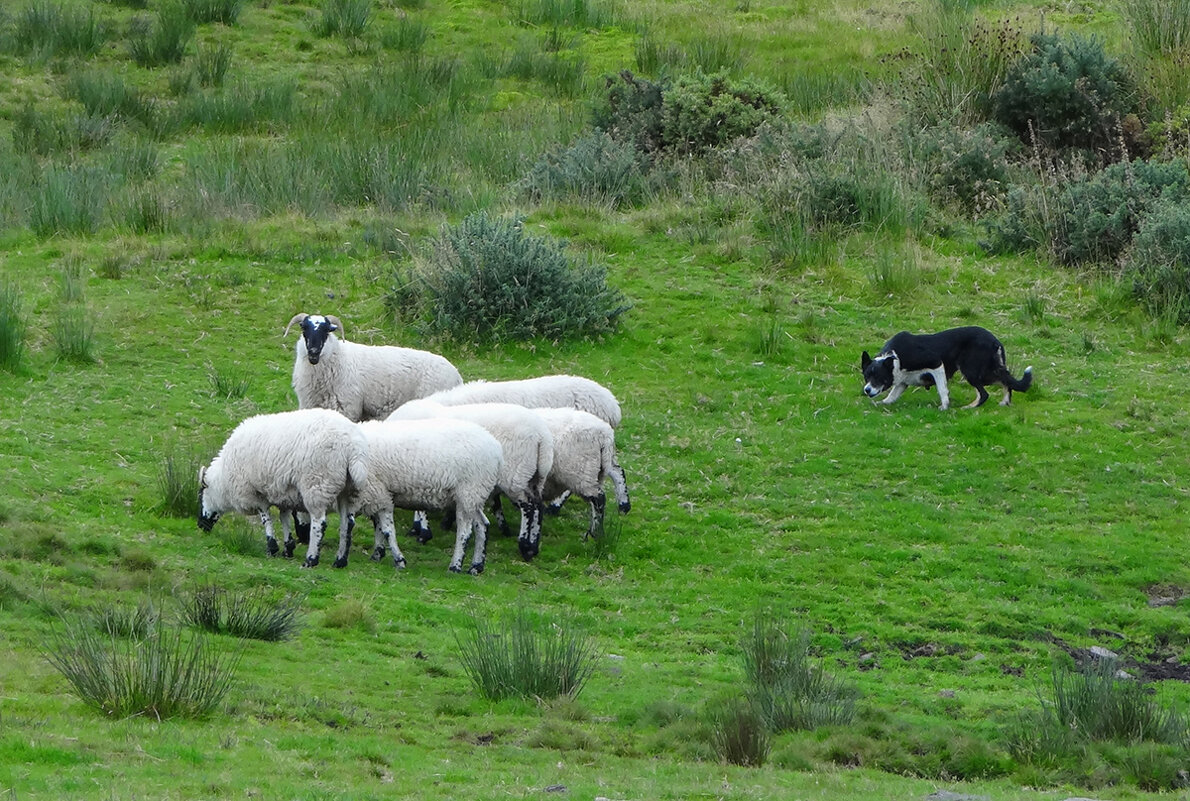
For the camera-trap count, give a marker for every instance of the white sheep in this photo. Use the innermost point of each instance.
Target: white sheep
(551, 392)
(528, 457)
(584, 456)
(428, 464)
(364, 382)
(309, 459)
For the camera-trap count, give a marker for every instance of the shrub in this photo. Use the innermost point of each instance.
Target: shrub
(1158, 265)
(739, 735)
(177, 482)
(162, 41)
(594, 169)
(786, 687)
(489, 280)
(255, 614)
(702, 111)
(163, 674)
(517, 658)
(966, 167)
(631, 111)
(12, 329)
(1068, 93)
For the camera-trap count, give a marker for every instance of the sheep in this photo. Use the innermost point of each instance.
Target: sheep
(364, 382)
(528, 457)
(309, 459)
(428, 464)
(584, 455)
(551, 391)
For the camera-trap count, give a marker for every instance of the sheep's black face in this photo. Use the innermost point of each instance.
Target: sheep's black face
(315, 330)
(207, 522)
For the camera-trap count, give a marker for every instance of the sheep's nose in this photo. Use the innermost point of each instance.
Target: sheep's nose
(313, 357)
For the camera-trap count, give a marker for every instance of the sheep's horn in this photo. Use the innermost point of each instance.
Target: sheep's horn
(338, 323)
(202, 477)
(297, 318)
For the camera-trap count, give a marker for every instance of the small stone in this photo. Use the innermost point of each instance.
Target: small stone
(556, 788)
(1103, 653)
(946, 693)
(947, 795)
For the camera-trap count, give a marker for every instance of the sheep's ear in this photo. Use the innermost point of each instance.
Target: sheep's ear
(297, 318)
(865, 360)
(336, 323)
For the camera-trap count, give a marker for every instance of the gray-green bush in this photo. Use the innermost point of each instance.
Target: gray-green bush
(595, 168)
(487, 279)
(1158, 263)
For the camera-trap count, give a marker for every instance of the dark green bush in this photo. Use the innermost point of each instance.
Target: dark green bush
(631, 111)
(489, 280)
(702, 111)
(1068, 93)
(968, 167)
(1158, 265)
(597, 169)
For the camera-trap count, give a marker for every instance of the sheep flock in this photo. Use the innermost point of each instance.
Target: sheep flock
(380, 428)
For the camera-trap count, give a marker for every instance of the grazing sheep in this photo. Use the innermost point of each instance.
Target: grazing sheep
(528, 457)
(551, 391)
(364, 382)
(584, 455)
(309, 459)
(428, 464)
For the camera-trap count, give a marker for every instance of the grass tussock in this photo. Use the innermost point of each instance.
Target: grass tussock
(739, 734)
(74, 334)
(518, 658)
(177, 483)
(349, 19)
(786, 686)
(256, 614)
(134, 622)
(166, 673)
(202, 12)
(162, 40)
(12, 329)
(44, 29)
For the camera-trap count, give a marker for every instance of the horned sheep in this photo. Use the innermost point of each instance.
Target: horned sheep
(308, 459)
(428, 464)
(364, 382)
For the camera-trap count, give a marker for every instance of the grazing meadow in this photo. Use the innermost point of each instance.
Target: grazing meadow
(709, 207)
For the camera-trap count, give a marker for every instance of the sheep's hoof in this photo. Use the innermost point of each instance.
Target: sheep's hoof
(289, 549)
(274, 548)
(399, 564)
(553, 509)
(311, 561)
(528, 549)
(476, 569)
(340, 561)
(625, 507)
(504, 530)
(422, 535)
(456, 568)
(378, 553)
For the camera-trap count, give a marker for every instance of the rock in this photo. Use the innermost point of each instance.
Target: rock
(947, 795)
(1103, 653)
(556, 788)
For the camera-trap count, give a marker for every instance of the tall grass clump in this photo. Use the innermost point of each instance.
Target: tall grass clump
(12, 329)
(255, 614)
(137, 622)
(177, 483)
(211, 65)
(47, 29)
(164, 674)
(785, 685)
(518, 658)
(595, 168)
(230, 382)
(739, 734)
(586, 14)
(407, 36)
(107, 94)
(242, 107)
(488, 279)
(1158, 26)
(206, 11)
(346, 18)
(163, 40)
(74, 334)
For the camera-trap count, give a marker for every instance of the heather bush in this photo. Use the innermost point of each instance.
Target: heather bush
(1067, 93)
(630, 110)
(595, 168)
(966, 167)
(701, 111)
(489, 280)
(1158, 264)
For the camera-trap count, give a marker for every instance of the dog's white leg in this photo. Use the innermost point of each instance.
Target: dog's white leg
(1007, 396)
(894, 393)
(940, 382)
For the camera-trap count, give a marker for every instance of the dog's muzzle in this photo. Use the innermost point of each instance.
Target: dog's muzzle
(871, 391)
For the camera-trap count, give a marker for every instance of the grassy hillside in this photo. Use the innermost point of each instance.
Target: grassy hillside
(942, 560)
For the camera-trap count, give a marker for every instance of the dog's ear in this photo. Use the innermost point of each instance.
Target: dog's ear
(864, 361)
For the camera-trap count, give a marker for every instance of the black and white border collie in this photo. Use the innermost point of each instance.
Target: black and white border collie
(926, 360)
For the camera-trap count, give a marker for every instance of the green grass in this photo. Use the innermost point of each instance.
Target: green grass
(942, 559)
(12, 329)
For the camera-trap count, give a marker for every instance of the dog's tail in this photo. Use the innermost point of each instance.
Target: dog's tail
(1023, 383)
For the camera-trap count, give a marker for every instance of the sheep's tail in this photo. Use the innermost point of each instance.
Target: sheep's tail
(612, 468)
(357, 467)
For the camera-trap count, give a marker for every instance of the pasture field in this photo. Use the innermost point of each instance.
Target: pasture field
(943, 561)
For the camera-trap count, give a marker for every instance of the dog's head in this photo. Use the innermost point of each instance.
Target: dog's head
(878, 373)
